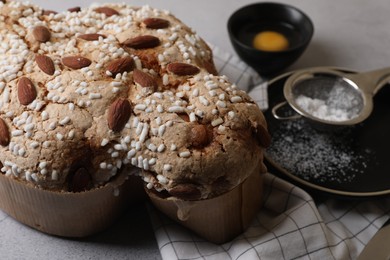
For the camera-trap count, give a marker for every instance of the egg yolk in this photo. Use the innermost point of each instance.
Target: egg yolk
(270, 41)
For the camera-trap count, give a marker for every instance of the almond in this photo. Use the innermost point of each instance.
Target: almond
(49, 12)
(75, 9)
(199, 136)
(91, 36)
(41, 33)
(76, 62)
(185, 192)
(118, 114)
(4, 133)
(120, 65)
(142, 42)
(107, 11)
(145, 80)
(80, 181)
(45, 63)
(184, 116)
(183, 69)
(26, 91)
(156, 23)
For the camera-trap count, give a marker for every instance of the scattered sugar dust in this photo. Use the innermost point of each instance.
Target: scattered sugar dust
(312, 155)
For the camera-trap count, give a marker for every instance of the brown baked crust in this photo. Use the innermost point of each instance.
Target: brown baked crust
(115, 87)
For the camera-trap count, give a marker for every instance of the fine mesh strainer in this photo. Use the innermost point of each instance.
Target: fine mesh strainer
(327, 96)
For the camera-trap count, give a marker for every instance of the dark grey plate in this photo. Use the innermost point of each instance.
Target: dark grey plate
(352, 161)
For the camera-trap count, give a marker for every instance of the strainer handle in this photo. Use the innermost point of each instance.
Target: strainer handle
(276, 108)
(372, 81)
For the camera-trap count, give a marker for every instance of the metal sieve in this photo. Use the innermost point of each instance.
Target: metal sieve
(327, 96)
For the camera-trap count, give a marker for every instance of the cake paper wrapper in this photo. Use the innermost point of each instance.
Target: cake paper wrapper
(69, 214)
(218, 219)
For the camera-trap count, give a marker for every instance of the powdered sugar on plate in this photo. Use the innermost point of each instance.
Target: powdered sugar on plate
(317, 156)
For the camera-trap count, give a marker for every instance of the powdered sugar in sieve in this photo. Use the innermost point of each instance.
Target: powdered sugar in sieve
(328, 98)
(331, 97)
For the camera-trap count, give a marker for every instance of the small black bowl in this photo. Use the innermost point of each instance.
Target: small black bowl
(249, 20)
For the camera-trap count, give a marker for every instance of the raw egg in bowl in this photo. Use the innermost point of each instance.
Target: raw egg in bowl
(269, 36)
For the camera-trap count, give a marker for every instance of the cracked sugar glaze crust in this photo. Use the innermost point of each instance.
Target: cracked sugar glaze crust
(92, 91)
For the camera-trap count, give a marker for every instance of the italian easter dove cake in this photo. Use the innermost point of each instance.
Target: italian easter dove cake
(92, 94)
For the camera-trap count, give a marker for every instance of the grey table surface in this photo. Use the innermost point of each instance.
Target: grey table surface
(348, 33)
